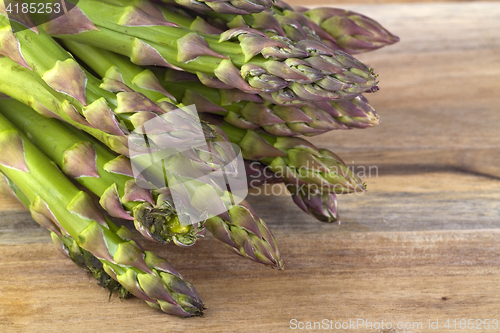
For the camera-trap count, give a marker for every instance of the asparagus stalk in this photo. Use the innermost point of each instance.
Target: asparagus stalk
(68, 246)
(240, 109)
(285, 24)
(105, 174)
(55, 200)
(353, 32)
(336, 28)
(227, 7)
(240, 229)
(258, 174)
(251, 112)
(148, 39)
(27, 87)
(297, 161)
(322, 206)
(110, 114)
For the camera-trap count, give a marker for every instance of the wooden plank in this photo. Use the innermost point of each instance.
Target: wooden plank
(397, 277)
(442, 200)
(421, 244)
(398, 202)
(438, 100)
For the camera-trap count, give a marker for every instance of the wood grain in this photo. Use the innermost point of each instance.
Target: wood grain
(422, 243)
(397, 277)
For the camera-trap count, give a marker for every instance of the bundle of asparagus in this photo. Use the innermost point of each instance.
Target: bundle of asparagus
(260, 74)
(60, 206)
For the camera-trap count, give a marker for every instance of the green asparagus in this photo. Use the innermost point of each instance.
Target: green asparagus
(251, 112)
(55, 200)
(68, 245)
(337, 29)
(137, 30)
(109, 115)
(353, 32)
(105, 174)
(224, 6)
(297, 161)
(322, 206)
(240, 229)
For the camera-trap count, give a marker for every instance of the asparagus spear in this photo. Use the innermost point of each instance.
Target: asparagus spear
(313, 176)
(55, 200)
(68, 246)
(226, 7)
(288, 26)
(240, 229)
(353, 32)
(105, 174)
(109, 114)
(322, 206)
(148, 39)
(297, 161)
(258, 174)
(240, 109)
(26, 86)
(250, 112)
(336, 28)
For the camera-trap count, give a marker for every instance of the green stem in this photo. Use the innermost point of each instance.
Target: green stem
(79, 256)
(143, 273)
(101, 61)
(44, 179)
(55, 139)
(28, 88)
(163, 38)
(236, 134)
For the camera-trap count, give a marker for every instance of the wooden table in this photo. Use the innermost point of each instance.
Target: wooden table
(422, 244)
